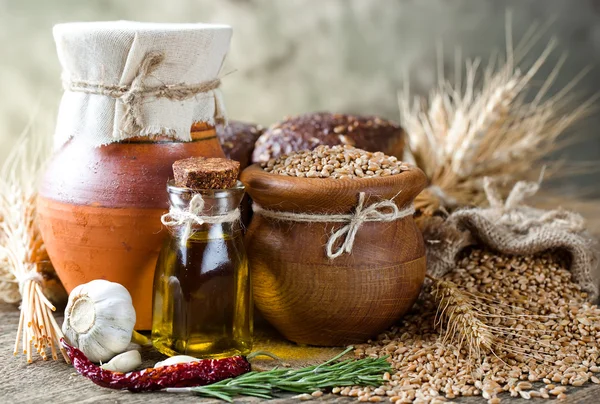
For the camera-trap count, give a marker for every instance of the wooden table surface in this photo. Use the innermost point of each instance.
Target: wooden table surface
(55, 382)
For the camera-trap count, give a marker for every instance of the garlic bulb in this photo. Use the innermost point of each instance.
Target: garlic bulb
(125, 362)
(99, 319)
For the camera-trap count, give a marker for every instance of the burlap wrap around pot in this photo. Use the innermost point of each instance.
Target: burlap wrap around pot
(510, 227)
(317, 291)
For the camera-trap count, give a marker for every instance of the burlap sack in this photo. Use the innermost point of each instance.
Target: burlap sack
(510, 227)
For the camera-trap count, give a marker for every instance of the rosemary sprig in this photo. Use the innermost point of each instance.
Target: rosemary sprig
(362, 372)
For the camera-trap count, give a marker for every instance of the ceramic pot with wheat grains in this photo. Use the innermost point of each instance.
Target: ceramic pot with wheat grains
(334, 252)
(138, 97)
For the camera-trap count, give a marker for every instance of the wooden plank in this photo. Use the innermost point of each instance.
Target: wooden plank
(55, 382)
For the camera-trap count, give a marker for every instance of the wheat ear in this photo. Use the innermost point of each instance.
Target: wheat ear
(458, 320)
(22, 250)
(491, 123)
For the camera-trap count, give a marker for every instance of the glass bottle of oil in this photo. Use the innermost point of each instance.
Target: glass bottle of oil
(202, 303)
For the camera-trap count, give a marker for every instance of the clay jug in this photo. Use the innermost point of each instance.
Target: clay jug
(104, 190)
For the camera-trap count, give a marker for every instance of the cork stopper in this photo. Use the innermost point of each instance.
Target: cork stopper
(206, 173)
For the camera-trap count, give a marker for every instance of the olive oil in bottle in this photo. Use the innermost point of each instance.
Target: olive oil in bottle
(202, 294)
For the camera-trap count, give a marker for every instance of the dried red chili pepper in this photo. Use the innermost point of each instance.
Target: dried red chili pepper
(203, 372)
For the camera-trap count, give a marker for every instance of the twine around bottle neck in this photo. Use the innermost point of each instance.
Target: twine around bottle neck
(195, 214)
(383, 211)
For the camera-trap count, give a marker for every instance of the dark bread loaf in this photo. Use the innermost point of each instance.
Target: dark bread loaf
(308, 131)
(237, 140)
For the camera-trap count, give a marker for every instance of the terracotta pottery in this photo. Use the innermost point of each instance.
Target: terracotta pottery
(312, 299)
(99, 210)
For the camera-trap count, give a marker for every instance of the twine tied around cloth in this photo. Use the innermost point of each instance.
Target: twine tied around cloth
(513, 211)
(384, 211)
(132, 96)
(193, 215)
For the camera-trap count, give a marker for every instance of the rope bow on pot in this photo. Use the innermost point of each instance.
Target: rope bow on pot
(384, 211)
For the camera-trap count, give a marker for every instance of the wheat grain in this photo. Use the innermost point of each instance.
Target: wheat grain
(336, 162)
(543, 331)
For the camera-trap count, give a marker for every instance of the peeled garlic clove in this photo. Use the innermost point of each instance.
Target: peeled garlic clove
(140, 339)
(125, 362)
(173, 360)
(99, 319)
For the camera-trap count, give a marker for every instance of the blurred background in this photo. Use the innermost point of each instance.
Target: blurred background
(298, 56)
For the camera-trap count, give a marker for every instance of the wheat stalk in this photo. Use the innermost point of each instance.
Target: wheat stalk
(466, 321)
(459, 322)
(22, 249)
(491, 124)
